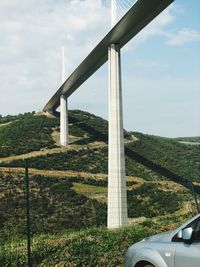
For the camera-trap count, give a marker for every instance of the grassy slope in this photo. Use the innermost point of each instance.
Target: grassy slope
(60, 201)
(26, 134)
(169, 153)
(54, 206)
(86, 248)
(165, 152)
(150, 200)
(34, 133)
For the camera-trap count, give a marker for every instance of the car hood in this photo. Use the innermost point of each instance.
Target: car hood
(154, 238)
(160, 237)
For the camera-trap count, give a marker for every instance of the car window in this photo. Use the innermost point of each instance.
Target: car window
(197, 232)
(195, 226)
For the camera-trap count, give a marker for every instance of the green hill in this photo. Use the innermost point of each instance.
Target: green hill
(60, 203)
(189, 139)
(68, 185)
(34, 133)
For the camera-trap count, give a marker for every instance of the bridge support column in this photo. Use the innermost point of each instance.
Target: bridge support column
(117, 198)
(64, 132)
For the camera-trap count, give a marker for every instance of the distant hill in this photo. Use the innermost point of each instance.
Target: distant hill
(194, 139)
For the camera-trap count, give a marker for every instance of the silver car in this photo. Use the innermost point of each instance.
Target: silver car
(179, 248)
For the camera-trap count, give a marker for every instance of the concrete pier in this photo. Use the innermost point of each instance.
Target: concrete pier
(64, 134)
(117, 197)
(64, 130)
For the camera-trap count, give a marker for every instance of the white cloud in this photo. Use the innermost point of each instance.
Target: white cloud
(144, 64)
(155, 28)
(159, 27)
(183, 36)
(31, 36)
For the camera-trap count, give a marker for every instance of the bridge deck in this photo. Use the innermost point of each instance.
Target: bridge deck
(142, 12)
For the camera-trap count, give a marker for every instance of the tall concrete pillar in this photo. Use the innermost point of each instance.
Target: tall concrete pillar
(64, 135)
(117, 198)
(64, 131)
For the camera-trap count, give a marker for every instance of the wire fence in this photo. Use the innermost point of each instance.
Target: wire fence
(36, 203)
(47, 202)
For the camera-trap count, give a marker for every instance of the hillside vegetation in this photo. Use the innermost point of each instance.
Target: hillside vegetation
(158, 172)
(169, 153)
(86, 248)
(35, 133)
(59, 203)
(195, 139)
(26, 133)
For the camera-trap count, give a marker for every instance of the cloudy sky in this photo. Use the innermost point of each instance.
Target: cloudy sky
(160, 67)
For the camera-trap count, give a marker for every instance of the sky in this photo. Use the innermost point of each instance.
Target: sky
(160, 66)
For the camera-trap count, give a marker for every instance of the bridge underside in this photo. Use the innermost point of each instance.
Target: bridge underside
(142, 12)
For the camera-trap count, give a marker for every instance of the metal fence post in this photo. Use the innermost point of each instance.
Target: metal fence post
(193, 190)
(26, 181)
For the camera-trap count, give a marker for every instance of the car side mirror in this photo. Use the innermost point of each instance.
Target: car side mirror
(180, 234)
(187, 234)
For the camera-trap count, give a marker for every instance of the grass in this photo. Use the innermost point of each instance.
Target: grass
(91, 247)
(34, 133)
(91, 191)
(26, 134)
(60, 203)
(78, 202)
(169, 153)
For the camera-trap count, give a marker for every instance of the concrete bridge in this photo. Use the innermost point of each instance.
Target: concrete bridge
(136, 18)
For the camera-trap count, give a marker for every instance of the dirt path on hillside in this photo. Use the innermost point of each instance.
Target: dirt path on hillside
(45, 151)
(4, 124)
(190, 143)
(59, 149)
(58, 173)
(187, 206)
